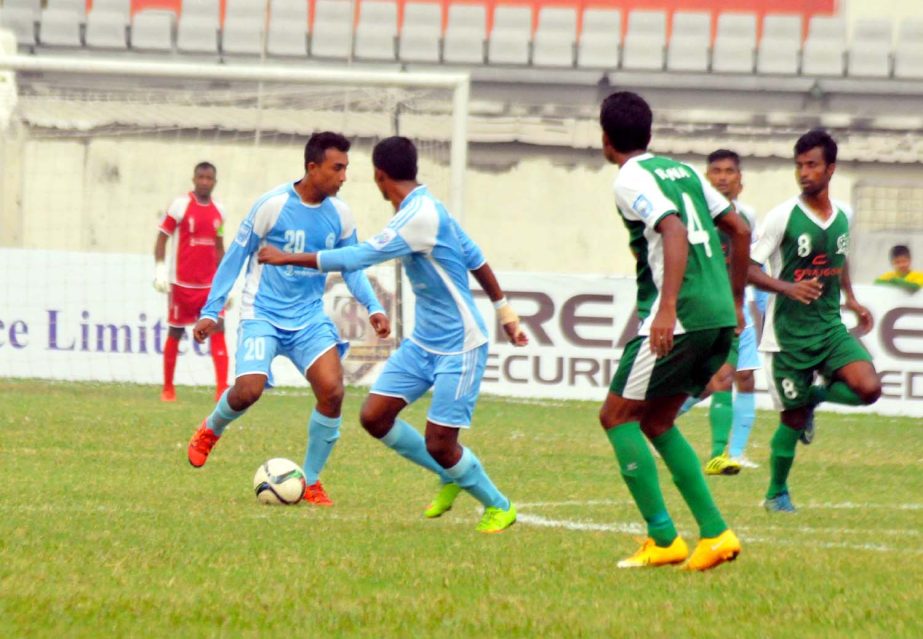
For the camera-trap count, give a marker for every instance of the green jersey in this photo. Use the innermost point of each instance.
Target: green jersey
(797, 244)
(649, 188)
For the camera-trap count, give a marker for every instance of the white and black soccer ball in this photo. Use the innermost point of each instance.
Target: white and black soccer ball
(279, 482)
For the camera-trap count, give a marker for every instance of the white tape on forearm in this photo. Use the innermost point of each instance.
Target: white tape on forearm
(506, 314)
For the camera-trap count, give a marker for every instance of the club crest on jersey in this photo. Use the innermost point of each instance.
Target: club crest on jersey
(642, 206)
(243, 233)
(331, 241)
(842, 244)
(383, 239)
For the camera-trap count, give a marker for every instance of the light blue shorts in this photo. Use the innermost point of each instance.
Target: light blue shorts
(748, 358)
(455, 380)
(258, 342)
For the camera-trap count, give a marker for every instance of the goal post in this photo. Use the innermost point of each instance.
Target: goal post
(95, 149)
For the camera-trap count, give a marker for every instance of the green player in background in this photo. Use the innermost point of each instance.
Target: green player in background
(805, 243)
(688, 315)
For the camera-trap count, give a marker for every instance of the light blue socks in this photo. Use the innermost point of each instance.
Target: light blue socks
(323, 432)
(744, 416)
(688, 404)
(469, 474)
(407, 442)
(222, 415)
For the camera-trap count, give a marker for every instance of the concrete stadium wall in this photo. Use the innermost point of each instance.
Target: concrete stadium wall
(539, 214)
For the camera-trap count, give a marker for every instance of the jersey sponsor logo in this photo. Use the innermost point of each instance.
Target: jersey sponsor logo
(331, 241)
(642, 206)
(820, 263)
(842, 244)
(244, 232)
(384, 238)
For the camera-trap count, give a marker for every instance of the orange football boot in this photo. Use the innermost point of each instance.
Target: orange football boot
(201, 445)
(315, 494)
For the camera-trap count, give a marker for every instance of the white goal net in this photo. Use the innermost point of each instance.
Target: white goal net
(94, 151)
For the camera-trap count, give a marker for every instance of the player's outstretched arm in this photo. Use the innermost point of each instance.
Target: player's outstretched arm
(508, 318)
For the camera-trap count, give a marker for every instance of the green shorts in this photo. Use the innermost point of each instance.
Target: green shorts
(792, 371)
(686, 369)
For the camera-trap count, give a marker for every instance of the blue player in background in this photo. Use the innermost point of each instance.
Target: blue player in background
(282, 310)
(448, 348)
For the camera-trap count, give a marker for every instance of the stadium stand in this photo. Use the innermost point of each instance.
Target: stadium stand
(869, 52)
(420, 34)
(198, 28)
(779, 50)
(465, 34)
(152, 30)
(601, 39)
(376, 32)
(332, 32)
(61, 25)
(735, 43)
(908, 55)
(645, 41)
(244, 25)
(287, 35)
(555, 37)
(510, 37)
(824, 49)
(689, 43)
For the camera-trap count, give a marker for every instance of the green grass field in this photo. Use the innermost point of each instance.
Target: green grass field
(105, 530)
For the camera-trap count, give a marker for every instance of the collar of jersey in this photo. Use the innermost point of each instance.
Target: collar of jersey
(811, 215)
(417, 191)
(637, 158)
(297, 196)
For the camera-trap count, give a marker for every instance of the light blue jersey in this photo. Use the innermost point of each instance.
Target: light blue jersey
(437, 255)
(288, 297)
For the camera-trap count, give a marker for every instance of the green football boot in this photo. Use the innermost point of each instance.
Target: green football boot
(443, 500)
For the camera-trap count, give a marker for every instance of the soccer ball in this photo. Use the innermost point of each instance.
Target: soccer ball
(279, 482)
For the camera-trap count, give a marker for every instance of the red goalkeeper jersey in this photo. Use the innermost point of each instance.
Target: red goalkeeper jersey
(195, 228)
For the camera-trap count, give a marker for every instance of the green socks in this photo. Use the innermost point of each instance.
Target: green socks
(837, 392)
(683, 463)
(721, 416)
(640, 474)
(780, 462)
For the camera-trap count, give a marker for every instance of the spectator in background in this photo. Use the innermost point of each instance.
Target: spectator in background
(196, 223)
(903, 276)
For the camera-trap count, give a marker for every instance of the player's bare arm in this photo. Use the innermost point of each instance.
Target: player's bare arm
(161, 278)
(675, 253)
(866, 321)
(737, 230)
(275, 257)
(219, 248)
(508, 317)
(203, 329)
(804, 291)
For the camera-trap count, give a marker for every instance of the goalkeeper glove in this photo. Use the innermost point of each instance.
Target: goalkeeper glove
(161, 278)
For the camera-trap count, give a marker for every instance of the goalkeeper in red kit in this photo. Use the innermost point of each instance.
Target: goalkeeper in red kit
(196, 224)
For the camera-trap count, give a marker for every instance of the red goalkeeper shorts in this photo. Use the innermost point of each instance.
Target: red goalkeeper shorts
(184, 305)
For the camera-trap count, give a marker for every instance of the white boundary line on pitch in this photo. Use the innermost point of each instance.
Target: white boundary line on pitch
(848, 505)
(636, 529)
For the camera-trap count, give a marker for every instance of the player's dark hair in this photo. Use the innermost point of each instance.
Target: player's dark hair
(724, 154)
(899, 250)
(397, 157)
(626, 119)
(817, 138)
(205, 165)
(318, 143)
